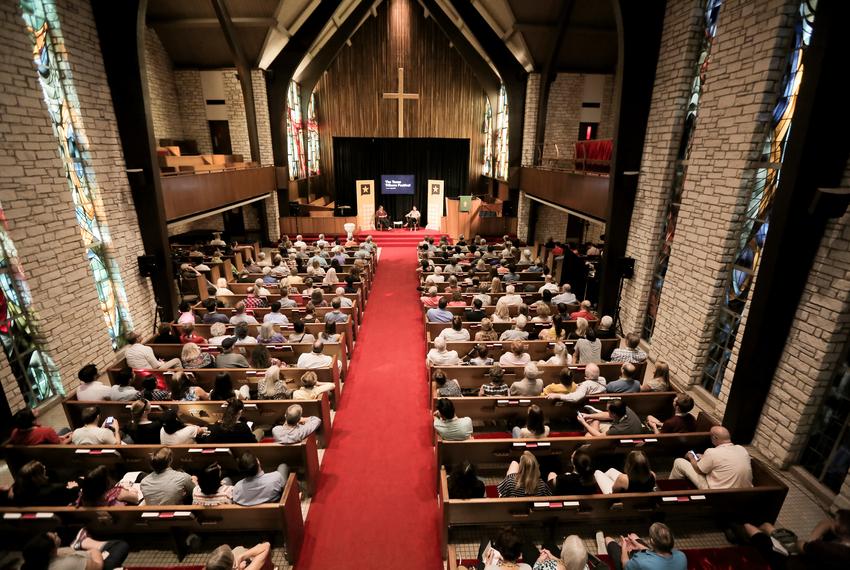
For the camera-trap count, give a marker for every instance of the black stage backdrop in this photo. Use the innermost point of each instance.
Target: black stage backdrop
(369, 158)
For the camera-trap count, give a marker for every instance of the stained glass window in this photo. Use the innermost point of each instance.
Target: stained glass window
(757, 217)
(37, 376)
(313, 138)
(54, 75)
(294, 132)
(501, 169)
(487, 170)
(668, 228)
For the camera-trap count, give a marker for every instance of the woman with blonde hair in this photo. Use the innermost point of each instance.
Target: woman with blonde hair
(660, 381)
(561, 356)
(495, 286)
(486, 334)
(556, 333)
(523, 479)
(330, 277)
(311, 388)
(573, 556)
(517, 356)
(260, 288)
(502, 314)
(183, 388)
(315, 269)
(192, 357)
(581, 329)
(267, 334)
(221, 287)
(543, 313)
(272, 386)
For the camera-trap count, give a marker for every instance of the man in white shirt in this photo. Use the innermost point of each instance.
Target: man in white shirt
(139, 356)
(518, 332)
(510, 298)
(92, 433)
(91, 389)
(240, 316)
(593, 383)
(437, 276)
(725, 466)
(275, 316)
(322, 242)
(548, 285)
(449, 426)
(566, 296)
(299, 242)
(455, 333)
(439, 356)
(344, 301)
(285, 301)
(218, 333)
(315, 359)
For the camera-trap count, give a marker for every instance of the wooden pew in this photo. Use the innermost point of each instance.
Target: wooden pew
(433, 329)
(73, 460)
(472, 377)
(261, 412)
(230, 301)
(765, 498)
(205, 377)
(285, 352)
(291, 314)
(538, 349)
(283, 518)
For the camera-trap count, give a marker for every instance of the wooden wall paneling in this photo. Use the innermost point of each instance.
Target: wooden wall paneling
(350, 93)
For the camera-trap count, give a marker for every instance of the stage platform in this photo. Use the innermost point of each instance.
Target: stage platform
(400, 237)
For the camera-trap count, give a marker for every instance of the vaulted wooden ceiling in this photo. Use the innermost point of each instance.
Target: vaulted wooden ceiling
(191, 33)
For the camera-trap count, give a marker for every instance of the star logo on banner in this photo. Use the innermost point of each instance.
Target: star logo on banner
(365, 190)
(435, 189)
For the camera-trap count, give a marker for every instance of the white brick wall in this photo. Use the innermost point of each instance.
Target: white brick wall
(680, 42)
(37, 201)
(193, 112)
(746, 65)
(563, 116)
(162, 88)
(236, 118)
(529, 125)
(523, 211)
(551, 222)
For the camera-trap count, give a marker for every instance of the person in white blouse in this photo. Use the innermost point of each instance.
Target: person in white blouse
(517, 355)
(221, 287)
(344, 302)
(437, 276)
(299, 242)
(510, 298)
(456, 333)
(439, 356)
(218, 332)
(518, 332)
(593, 383)
(548, 285)
(561, 357)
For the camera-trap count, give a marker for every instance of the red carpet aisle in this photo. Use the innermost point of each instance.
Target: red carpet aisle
(375, 506)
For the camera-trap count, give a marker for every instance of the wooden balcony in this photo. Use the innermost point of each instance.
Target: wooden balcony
(188, 194)
(584, 193)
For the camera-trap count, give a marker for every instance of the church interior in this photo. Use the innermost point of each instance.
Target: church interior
(537, 284)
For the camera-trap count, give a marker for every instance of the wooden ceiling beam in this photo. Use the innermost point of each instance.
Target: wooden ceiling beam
(158, 23)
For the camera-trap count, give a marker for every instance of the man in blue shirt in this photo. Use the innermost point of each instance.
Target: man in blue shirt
(440, 314)
(627, 382)
(632, 554)
(258, 487)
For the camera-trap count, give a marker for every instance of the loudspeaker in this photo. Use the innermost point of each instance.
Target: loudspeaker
(147, 265)
(627, 267)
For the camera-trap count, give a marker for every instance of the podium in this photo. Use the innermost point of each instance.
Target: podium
(463, 222)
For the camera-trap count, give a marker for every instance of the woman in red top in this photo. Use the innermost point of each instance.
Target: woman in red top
(28, 432)
(188, 335)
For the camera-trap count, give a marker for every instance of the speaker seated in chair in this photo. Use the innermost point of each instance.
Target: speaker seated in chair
(382, 219)
(413, 217)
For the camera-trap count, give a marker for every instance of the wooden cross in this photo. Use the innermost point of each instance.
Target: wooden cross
(401, 96)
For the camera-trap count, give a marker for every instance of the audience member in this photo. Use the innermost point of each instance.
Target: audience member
(661, 379)
(188, 335)
(142, 429)
(446, 388)
(475, 313)
(479, 356)
(97, 489)
(637, 476)
(618, 420)
(192, 357)
(517, 332)
(455, 333)
(535, 426)
(91, 389)
(631, 352)
(95, 433)
(268, 335)
(631, 553)
(27, 431)
(33, 488)
(439, 314)
(496, 386)
(210, 491)
(517, 355)
(564, 385)
(231, 428)
(175, 432)
(531, 383)
(724, 466)
(218, 332)
(578, 481)
(447, 425)
(240, 316)
(680, 422)
(45, 552)
(486, 333)
(226, 558)
(627, 382)
(295, 428)
(315, 358)
(566, 296)
(165, 335)
(588, 349)
(272, 386)
(440, 356)
(166, 486)
(228, 358)
(257, 486)
(139, 356)
(184, 389)
(583, 312)
(605, 328)
(299, 336)
(311, 388)
(523, 479)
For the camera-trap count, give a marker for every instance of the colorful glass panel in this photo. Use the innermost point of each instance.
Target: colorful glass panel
(55, 78)
(668, 228)
(487, 170)
(763, 188)
(294, 132)
(313, 149)
(501, 168)
(37, 376)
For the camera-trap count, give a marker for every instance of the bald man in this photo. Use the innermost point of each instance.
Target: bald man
(724, 466)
